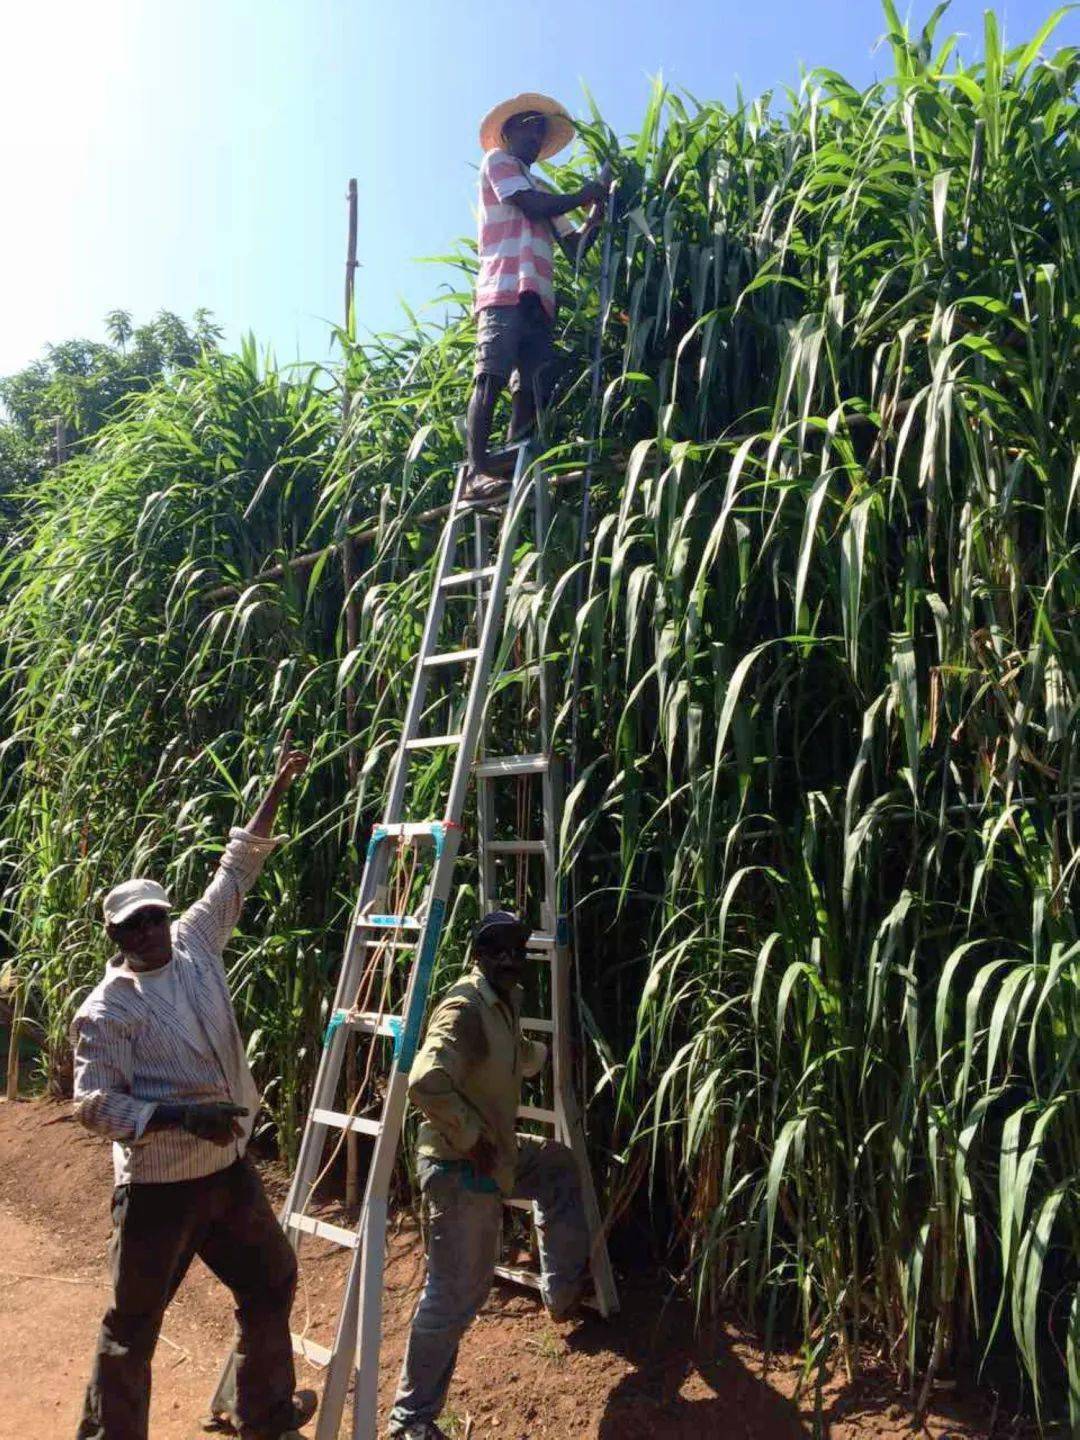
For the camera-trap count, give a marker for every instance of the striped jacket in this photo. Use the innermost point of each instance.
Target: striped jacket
(515, 252)
(132, 1049)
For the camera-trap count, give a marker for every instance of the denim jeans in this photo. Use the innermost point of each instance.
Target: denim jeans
(464, 1229)
(157, 1231)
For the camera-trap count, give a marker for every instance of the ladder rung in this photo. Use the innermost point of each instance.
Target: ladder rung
(535, 1022)
(369, 1023)
(534, 1112)
(340, 1121)
(317, 1354)
(519, 1275)
(519, 1205)
(348, 1239)
(451, 657)
(421, 830)
(508, 448)
(539, 941)
(515, 847)
(390, 944)
(432, 742)
(390, 922)
(461, 578)
(513, 765)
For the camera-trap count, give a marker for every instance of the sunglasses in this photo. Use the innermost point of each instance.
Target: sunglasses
(145, 919)
(532, 120)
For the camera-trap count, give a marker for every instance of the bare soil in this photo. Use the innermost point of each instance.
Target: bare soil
(520, 1376)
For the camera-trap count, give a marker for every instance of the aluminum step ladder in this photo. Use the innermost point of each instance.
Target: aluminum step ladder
(380, 936)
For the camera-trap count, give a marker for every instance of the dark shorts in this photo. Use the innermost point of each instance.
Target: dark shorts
(516, 343)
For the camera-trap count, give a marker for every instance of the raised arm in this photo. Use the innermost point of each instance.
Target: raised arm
(291, 764)
(214, 916)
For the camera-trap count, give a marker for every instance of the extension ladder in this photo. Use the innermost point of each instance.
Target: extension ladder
(382, 932)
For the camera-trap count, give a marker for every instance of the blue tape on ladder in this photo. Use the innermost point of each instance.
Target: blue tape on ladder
(337, 1019)
(562, 931)
(378, 835)
(396, 1029)
(438, 834)
(410, 1040)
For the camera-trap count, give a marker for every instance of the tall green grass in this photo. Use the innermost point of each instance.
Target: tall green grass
(824, 834)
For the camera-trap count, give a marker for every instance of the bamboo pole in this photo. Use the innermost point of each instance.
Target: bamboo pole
(352, 634)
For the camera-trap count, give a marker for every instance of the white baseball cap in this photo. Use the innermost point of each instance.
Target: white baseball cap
(123, 900)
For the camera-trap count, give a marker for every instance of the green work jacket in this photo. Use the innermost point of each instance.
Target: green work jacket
(466, 1078)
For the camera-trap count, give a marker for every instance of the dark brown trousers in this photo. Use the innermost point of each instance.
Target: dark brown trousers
(158, 1230)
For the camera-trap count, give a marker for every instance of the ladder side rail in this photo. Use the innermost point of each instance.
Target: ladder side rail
(436, 606)
(562, 1072)
(485, 795)
(373, 881)
(370, 1257)
(478, 690)
(336, 1385)
(326, 1079)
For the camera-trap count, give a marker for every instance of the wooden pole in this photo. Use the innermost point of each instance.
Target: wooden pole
(350, 265)
(352, 634)
(13, 1046)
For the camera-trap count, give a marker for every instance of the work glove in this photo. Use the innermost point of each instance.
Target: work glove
(215, 1121)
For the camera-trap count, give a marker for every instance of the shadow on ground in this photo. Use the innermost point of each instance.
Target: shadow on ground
(681, 1386)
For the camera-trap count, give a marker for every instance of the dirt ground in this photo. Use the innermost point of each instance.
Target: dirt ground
(519, 1376)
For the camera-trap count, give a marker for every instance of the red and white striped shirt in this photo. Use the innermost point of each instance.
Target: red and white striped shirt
(515, 252)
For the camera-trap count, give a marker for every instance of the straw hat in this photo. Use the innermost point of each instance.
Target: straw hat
(558, 132)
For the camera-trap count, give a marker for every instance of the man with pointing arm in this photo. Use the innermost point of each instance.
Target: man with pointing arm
(160, 1069)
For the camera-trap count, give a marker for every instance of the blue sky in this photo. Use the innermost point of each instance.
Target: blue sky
(197, 153)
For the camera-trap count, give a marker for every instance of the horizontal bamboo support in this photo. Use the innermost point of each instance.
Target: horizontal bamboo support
(440, 512)
(354, 537)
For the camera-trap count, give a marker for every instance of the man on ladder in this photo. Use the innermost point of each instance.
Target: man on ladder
(466, 1080)
(515, 293)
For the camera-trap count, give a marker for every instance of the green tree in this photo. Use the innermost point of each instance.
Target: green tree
(119, 328)
(57, 403)
(83, 381)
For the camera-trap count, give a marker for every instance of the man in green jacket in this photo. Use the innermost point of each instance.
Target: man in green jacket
(466, 1081)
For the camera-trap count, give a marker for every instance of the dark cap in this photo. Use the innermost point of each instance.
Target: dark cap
(500, 929)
